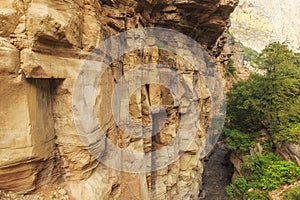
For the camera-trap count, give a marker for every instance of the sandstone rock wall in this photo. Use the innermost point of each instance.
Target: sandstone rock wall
(27, 128)
(42, 46)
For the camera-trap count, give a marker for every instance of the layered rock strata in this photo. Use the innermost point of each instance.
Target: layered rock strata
(42, 46)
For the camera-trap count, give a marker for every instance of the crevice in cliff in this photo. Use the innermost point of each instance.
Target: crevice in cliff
(49, 168)
(58, 162)
(155, 129)
(217, 174)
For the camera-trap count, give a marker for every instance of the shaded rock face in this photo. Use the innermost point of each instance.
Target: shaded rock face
(42, 45)
(234, 52)
(257, 23)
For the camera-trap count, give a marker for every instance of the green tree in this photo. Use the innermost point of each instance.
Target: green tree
(270, 100)
(244, 106)
(281, 89)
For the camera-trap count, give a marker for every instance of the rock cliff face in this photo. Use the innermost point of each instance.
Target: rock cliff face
(42, 45)
(257, 23)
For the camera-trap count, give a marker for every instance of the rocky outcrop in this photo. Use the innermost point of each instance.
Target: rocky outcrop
(237, 160)
(233, 54)
(27, 126)
(257, 23)
(42, 46)
(289, 152)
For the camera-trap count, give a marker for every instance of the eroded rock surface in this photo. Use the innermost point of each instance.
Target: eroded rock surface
(289, 152)
(42, 46)
(257, 23)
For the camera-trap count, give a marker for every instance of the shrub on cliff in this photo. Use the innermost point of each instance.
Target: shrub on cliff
(262, 173)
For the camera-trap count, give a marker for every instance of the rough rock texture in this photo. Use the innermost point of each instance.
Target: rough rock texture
(42, 44)
(289, 152)
(217, 174)
(234, 52)
(278, 193)
(237, 161)
(257, 23)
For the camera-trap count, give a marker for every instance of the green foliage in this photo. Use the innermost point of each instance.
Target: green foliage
(281, 89)
(251, 56)
(292, 194)
(290, 134)
(230, 69)
(266, 145)
(257, 195)
(238, 188)
(255, 165)
(268, 172)
(270, 101)
(243, 111)
(263, 173)
(279, 173)
(238, 141)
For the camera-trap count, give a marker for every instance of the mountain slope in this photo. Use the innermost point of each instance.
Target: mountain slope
(256, 23)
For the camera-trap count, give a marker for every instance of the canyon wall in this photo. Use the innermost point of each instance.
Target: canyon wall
(257, 23)
(42, 47)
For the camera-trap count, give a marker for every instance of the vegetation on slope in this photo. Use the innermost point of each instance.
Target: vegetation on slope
(263, 173)
(269, 102)
(230, 71)
(292, 194)
(251, 56)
